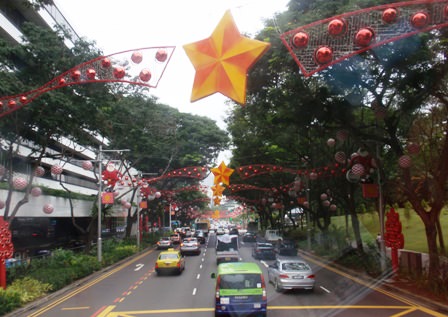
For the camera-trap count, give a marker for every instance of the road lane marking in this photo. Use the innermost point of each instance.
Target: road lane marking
(194, 291)
(198, 276)
(138, 266)
(326, 290)
(75, 308)
(200, 266)
(264, 263)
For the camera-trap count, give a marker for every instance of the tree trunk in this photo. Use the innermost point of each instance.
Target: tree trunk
(441, 240)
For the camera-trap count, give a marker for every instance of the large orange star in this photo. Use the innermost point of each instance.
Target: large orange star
(222, 61)
(218, 190)
(222, 174)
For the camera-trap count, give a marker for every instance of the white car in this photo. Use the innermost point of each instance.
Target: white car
(291, 273)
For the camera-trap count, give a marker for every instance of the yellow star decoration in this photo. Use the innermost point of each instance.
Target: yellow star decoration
(217, 190)
(222, 61)
(216, 201)
(222, 174)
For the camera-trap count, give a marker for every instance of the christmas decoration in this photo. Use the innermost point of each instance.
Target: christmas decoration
(222, 174)
(223, 60)
(6, 249)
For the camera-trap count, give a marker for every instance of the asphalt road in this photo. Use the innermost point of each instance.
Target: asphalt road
(133, 289)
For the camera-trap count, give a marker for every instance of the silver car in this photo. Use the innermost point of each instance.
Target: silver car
(190, 246)
(291, 273)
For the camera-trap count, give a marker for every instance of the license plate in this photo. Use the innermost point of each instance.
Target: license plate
(298, 277)
(227, 259)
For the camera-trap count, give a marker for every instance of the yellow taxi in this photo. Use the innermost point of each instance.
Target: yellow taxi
(170, 261)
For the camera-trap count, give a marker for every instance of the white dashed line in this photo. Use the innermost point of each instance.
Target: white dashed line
(194, 291)
(264, 263)
(200, 266)
(325, 289)
(198, 276)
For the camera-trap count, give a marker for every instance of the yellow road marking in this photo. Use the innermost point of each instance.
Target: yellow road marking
(76, 308)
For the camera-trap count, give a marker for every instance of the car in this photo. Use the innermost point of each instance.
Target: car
(287, 248)
(170, 261)
(164, 243)
(264, 251)
(190, 246)
(175, 238)
(233, 230)
(291, 273)
(272, 235)
(200, 235)
(249, 237)
(240, 289)
(220, 231)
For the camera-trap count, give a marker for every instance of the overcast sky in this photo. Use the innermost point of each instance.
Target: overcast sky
(117, 25)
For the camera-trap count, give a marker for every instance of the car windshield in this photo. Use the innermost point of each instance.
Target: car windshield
(295, 266)
(239, 281)
(168, 256)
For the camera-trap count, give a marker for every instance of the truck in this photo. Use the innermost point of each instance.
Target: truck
(203, 225)
(227, 248)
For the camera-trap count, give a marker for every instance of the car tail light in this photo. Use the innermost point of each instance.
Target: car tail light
(311, 276)
(157, 265)
(181, 244)
(263, 287)
(283, 276)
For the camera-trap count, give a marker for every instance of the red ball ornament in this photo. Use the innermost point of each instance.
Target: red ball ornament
(23, 99)
(161, 55)
(39, 171)
(62, 81)
(36, 191)
(119, 72)
(106, 63)
(91, 73)
(420, 20)
(19, 183)
(87, 165)
(390, 15)
(358, 169)
(75, 75)
(158, 194)
(364, 37)
(48, 208)
(340, 157)
(333, 207)
(56, 169)
(137, 57)
(413, 148)
(300, 40)
(145, 75)
(323, 55)
(12, 103)
(323, 196)
(313, 176)
(1, 104)
(337, 27)
(331, 142)
(326, 203)
(405, 161)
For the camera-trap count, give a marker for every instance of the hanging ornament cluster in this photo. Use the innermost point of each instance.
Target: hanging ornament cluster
(317, 45)
(190, 172)
(405, 161)
(111, 175)
(6, 249)
(260, 169)
(143, 67)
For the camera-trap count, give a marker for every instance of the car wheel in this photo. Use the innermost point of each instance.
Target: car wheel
(277, 286)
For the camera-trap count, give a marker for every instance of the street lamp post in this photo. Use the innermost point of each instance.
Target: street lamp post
(100, 194)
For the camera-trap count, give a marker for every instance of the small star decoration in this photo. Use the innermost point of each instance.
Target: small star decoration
(222, 61)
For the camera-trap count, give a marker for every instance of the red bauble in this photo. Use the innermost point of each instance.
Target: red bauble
(145, 75)
(364, 37)
(323, 55)
(91, 73)
(62, 81)
(323, 196)
(19, 183)
(87, 165)
(300, 39)
(39, 171)
(1, 104)
(36, 191)
(420, 20)
(23, 99)
(333, 207)
(106, 63)
(48, 208)
(413, 148)
(313, 176)
(161, 55)
(119, 72)
(137, 57)
(358, 169)
(405, 161)
(56, 169)
(337, 27)
(331, 142)
(340, 157)
(390, 15)
(12, 103)
(76, 75)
